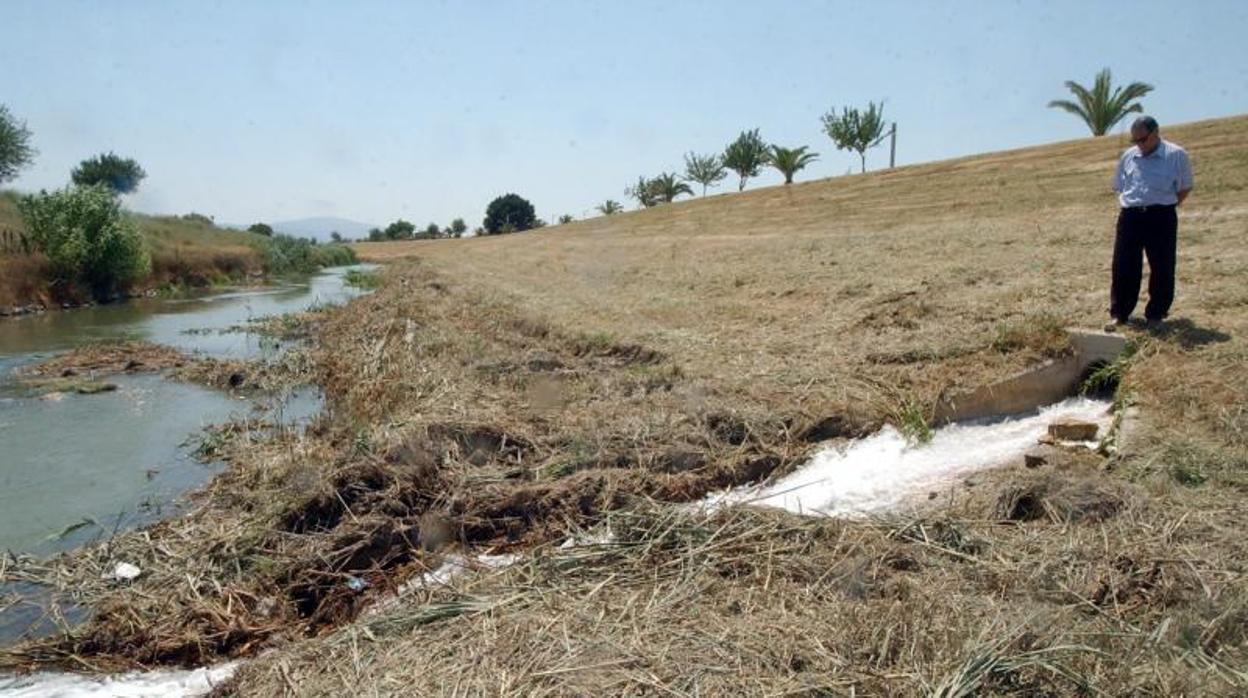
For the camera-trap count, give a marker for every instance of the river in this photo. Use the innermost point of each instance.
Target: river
(74, 467)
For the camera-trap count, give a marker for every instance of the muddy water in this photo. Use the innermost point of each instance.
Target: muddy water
(77, 467)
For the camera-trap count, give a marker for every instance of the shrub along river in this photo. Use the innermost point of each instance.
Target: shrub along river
(74, 468)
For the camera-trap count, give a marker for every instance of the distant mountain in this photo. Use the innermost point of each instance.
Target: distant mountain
(321, 227)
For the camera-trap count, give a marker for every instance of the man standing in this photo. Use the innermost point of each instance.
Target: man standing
(1154, 177)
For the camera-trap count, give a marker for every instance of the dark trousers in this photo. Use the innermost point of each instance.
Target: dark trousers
(1151, 231)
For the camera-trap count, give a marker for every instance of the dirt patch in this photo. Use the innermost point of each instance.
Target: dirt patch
(1059, 499)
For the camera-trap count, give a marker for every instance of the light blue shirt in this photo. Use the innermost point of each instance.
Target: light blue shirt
(1156, 178)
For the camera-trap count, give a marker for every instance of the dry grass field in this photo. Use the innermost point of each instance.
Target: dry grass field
(502, 394)
(829, 294)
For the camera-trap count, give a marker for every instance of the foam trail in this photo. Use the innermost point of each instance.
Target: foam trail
(162, 683)
(883, 470)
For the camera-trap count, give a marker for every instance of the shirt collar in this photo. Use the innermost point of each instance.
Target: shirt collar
(1161, 143)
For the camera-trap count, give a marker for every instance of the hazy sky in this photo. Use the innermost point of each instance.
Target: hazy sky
(426, 110)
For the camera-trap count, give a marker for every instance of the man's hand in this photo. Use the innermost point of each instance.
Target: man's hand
(1183, 195)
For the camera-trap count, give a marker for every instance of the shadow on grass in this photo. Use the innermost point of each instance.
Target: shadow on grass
(1188, 334)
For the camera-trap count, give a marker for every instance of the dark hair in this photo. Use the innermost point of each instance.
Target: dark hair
(1147, 123)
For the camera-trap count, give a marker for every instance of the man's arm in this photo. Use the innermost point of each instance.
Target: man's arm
(1185, 182)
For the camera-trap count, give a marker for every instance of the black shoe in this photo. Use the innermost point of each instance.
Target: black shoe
(1116, 325)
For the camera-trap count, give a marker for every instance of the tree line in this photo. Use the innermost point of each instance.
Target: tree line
(1100, 107)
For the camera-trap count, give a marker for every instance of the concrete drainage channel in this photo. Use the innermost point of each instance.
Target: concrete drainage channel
(1046, 384)
(1035, 417)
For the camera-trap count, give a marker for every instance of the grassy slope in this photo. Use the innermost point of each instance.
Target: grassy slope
(182, 252)
(504, 392)
(798, 288)
(832, 298)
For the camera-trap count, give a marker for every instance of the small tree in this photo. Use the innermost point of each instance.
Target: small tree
(376, 235)
(400, 230)
(509, 213)
(566, 219)
(855, 130)
(265, 229)
(458, 228)
(85, 236)
(610, 207)
(199, 219)
(432, 231)
(789, 160)
(643, 192)
(746, 156)
(1099, 108)
(121, 175)
(336, 236)
(707, 170)
(15, 150)
(667, 186)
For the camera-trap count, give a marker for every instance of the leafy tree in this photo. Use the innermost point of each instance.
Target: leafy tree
(508, 213)
(264, 229)
(458, 228)
(855, 130)
(789, 160)
(199, 218)
(707, 170)
(538, 223)
(566, 219)
(667, 186)
(643, 191)
(121, 175)
(1099, 108)
(399, 230)
(610, 207)
(336, 236)
(15, 150)
(84, 234)
(432, 231)
(376, 235)
(746, 156)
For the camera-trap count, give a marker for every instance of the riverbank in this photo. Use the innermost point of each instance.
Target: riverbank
(187, 254)
(504, 395)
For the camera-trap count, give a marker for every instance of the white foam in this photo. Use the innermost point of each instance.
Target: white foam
(884, 471)
(173, 683)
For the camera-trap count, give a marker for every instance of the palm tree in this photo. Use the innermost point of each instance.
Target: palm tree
(610, 207)
(706, 170)
(1099, 108)
(855, 130)
(643, 191)
(668, 186)
(745, 156)
(790, 160)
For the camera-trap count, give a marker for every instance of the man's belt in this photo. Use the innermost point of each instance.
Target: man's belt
(1150, 207)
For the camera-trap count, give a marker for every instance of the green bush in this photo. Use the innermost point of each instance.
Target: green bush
(285, 254)
(362, 279)
(86, 237)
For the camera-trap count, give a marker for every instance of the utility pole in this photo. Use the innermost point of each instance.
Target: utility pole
(892, 146)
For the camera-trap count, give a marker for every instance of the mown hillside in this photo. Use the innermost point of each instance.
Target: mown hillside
(823, 292)
(500, 395)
